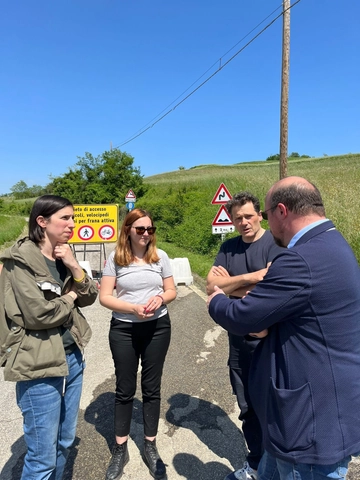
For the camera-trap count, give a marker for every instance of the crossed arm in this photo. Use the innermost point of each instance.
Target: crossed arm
(237, 285)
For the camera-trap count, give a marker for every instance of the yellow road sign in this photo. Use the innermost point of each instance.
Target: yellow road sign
(95, 224)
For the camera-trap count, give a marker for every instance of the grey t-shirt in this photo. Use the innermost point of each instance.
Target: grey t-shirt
(137, 283)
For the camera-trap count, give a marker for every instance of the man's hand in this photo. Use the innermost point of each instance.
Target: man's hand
(217, 290)
(255, 277)
(261, 334)
(219, 271)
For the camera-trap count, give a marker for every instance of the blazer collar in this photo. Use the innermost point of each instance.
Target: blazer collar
(323, 227)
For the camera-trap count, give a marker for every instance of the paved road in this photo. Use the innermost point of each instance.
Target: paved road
(198, 436)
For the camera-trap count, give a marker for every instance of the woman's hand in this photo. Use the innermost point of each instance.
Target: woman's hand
(63, 252)
(72, 294)
(154, 303)
(141, 312)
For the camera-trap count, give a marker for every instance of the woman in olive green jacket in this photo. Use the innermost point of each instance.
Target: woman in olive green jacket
(43, 334)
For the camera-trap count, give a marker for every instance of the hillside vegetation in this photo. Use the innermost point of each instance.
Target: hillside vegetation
(180, 201)
(11, 227)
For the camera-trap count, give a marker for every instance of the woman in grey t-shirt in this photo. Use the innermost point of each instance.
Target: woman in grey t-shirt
(140, 328)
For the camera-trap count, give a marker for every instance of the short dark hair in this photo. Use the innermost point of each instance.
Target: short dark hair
(240, 199)
(299, 198)
(44, 206)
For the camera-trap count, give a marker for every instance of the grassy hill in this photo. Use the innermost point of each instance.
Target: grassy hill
(181, 200)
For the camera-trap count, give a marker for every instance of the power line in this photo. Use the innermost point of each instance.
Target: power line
(143, 130)
(215, 63)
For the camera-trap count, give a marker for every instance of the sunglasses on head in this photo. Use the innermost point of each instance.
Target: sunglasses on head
(142, 230)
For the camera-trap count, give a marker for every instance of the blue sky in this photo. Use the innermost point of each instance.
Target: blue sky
(80, 75)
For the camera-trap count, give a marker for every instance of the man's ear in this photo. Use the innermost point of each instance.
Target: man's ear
(283, 210)
(40, 220)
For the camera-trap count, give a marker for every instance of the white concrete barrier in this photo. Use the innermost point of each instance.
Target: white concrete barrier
(181, 271)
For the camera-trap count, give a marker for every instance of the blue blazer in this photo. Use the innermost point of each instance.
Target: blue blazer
(305, 375)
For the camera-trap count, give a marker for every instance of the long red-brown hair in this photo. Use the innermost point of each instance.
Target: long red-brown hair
(123, 252)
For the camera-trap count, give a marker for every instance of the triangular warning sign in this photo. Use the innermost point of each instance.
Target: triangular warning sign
(222, 196)
(222, 217)
(130, 194)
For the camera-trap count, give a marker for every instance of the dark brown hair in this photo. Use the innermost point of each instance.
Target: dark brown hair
(44, 206)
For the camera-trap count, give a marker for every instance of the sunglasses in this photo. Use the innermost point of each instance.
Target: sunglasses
(142, 230)
(265, 215)
(264, 212)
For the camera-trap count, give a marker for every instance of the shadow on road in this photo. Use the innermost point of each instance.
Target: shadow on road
(214, 429)
(13, 467)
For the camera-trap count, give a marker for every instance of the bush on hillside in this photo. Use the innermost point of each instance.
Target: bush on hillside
(11, 227)
(182, 218)
(21, 208)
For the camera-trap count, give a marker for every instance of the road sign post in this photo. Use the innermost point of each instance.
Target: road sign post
(222, 223)
(130, 199)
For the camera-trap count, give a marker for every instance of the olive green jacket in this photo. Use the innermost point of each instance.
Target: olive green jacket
(33, 307)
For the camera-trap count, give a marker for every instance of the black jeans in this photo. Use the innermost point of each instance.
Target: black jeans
(241, 350)
(129, 342)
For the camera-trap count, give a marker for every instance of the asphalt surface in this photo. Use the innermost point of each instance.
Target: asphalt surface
(199, 436)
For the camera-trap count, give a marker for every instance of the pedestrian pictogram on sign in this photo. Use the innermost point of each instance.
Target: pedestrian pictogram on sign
(86, 233)
(222, 218)
(222, 196)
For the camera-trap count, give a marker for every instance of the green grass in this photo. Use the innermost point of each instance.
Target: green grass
(180, 202)
(337, 177)
(11, 227)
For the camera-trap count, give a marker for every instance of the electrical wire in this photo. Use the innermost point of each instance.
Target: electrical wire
(215, 63)
(143, 129)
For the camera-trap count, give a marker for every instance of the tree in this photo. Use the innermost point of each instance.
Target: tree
(102, 179)
(272, 158)
(20, 190)
(35, 191)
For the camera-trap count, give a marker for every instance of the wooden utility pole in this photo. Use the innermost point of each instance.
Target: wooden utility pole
(284, 111)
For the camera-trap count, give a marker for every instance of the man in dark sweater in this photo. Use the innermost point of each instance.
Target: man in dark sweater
(241, 262)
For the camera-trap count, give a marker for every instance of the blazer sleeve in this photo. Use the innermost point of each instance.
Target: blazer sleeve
(283, 291)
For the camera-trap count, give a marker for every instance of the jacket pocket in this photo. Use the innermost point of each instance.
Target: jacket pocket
(41, 350)
(291, 419)
(12, 342)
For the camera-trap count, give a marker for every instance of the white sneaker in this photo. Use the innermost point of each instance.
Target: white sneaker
(245, 473)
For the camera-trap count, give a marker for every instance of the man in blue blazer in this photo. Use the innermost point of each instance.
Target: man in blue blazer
(305, 374)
